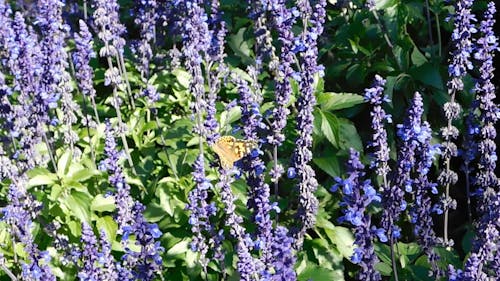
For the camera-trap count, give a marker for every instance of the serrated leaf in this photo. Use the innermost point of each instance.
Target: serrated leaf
(102, 204)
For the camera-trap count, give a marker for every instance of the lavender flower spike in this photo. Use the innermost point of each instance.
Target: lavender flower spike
(146, 19)
(357, 195)
(421, 211)
(106, 260)
(56, 79)
(89, 271)
(259, 190)
(283, 21)
(123, 200)
(485, 251)
(489, 111)
(375, 96)
(146, 263)
(302, 155)
(461, 37)
(201, 212)
(81, 58)
(247, 266)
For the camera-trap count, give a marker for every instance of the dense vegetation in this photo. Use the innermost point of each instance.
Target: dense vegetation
(259, 140)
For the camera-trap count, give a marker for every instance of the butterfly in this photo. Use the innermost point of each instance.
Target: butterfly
(231, 150)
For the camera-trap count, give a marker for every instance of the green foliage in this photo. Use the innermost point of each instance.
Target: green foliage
(354, 48)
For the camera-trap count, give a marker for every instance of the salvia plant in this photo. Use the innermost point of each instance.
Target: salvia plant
(248, 140)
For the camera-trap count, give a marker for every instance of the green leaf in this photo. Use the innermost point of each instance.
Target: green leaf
(64, 162)
(417, 57)
(228, 117)
(154, 212)
(316, 273)
(327, 257)
(79, 204)
(384, 268)
(329, 164)
(108, 224)
(183, 77)
(342, 238)
(349, 136)
(428, 74)
(240, 47)
(179, 248)
(336, 101)
(330, 127)
(102, 204)
(47, 179)
(81, 175)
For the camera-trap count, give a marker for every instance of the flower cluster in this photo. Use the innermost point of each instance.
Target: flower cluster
(248, 267)
(302, 155)
(484, 256)
(201, 212)
(146, 19)
(462, 33)
(146, 263)
(56, 79)
(258, 200)
(420, 135)
(283, 19)
(358, 194)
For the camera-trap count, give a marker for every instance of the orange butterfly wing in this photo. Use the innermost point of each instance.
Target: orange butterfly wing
(231, 150)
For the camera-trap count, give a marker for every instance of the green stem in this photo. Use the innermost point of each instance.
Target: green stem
(72, 67)
(49, 150)
(85, 13)
(119, 116)
(9, 273)
(123, 72)
(438, 27)
(391, 238)
(429, 24)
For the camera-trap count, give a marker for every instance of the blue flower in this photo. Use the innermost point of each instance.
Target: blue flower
(358, 194)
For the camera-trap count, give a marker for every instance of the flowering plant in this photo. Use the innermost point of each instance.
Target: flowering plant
(248, 140)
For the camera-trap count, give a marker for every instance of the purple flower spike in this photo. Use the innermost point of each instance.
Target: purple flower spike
(247, 265)
(358, 194)
(375, 96)
(89, 254)
(259, 191)
(419, 138)
(460, 63)
(84, 53)
(201, 211)
(302, 155)
(147, 17)
(484, 261)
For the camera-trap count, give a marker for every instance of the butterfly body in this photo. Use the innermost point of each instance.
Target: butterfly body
(230, 150)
